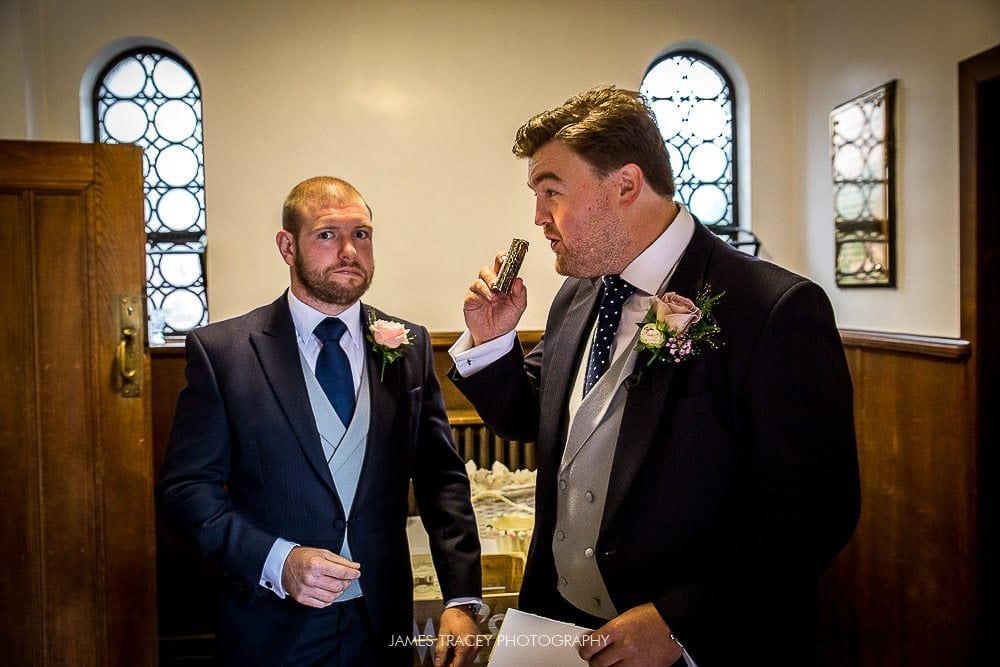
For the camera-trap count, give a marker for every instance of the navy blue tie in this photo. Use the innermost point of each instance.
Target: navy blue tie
(616, 292)
(333, 370)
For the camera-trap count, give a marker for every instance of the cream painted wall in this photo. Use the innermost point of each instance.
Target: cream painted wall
(919, 43)
(416, 104)
(13, 118)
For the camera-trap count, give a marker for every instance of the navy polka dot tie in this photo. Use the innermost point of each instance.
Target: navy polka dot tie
(616, 292)
(333, 370)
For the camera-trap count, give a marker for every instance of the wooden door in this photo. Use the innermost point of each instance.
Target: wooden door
(76, 509)
(979, 175)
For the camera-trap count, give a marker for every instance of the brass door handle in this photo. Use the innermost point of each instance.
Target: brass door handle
(128, 334)
(129, 356)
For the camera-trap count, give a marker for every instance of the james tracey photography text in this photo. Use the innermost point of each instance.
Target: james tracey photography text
(526, 640)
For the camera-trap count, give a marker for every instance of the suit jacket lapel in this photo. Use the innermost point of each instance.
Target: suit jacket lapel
(278, 352)
(648, 386)
(383, 392)
(564, 348)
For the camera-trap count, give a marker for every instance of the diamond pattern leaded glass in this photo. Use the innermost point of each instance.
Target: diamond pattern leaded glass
(861, 135)
(692, 99)
(151, 98)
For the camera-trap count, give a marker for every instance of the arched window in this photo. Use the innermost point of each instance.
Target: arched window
(151, 97)
(693, 99)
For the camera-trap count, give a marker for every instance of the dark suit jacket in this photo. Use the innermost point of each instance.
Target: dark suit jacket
(244, 465)
(734, 481)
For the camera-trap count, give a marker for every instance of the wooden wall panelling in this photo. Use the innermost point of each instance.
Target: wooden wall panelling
(903, 591)
(189, 587)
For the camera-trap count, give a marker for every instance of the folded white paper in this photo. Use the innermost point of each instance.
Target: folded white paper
(526, 639)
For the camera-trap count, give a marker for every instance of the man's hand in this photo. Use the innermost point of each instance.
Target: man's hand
(636, 638)
(457, 643)
(490, 314)
(317, 577)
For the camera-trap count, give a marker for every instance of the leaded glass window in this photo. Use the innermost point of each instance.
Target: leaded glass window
(692, 98)
(151, 98)
(862, 138)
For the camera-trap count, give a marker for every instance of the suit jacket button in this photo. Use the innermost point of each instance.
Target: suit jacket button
(339, 524)
(560, 536)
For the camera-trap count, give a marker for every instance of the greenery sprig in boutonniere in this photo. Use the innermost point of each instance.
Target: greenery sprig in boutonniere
(389, 339)
(676, 327)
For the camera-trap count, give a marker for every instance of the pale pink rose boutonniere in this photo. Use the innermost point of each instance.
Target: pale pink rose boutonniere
(389, 339)
(676, 327)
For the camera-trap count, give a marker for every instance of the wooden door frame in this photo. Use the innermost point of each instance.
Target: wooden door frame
(979, 171)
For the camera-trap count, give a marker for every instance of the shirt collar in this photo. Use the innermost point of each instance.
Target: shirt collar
(305, 318)
(650, 270)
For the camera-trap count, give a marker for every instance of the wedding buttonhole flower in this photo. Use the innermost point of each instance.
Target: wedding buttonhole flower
(389, 339)
(675, 327)
(390, 334)
(651, 336)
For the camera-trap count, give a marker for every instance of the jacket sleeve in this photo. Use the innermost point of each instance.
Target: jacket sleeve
(506, 393)
(191, 493)
(441, 488)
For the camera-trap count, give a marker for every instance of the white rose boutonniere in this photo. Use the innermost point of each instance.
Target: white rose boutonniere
(389, 339)
(651, 336)
(675, 327)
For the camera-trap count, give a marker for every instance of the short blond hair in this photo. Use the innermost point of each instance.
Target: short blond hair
(316, 190)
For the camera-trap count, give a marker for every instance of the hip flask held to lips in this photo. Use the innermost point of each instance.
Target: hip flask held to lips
(510, 266)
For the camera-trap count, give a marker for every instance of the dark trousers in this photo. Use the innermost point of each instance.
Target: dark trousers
(337, 636)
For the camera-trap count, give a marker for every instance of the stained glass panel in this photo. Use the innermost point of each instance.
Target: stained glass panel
(862, 149)
(692, 99)
(151, 98)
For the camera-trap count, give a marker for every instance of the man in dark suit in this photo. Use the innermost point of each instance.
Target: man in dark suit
(687, 497)
(291, 454)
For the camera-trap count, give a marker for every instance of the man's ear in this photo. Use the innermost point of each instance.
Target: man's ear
(630, 181)
(286, 246)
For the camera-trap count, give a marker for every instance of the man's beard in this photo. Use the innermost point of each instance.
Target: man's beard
(597, 252)
(327, 291)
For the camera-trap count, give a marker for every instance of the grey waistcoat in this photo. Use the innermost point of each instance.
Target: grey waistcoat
(582, 489)
(344, 449)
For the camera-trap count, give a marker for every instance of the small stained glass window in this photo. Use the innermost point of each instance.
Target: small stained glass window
(692, 98)
(151, 98)
(862, 147)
